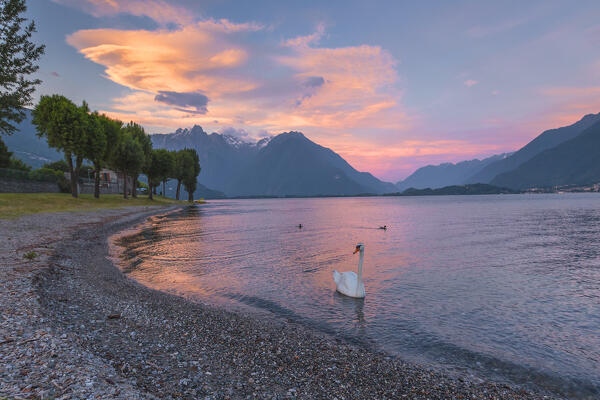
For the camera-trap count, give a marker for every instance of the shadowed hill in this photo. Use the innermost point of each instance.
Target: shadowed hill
(544, 141)
(574, 162)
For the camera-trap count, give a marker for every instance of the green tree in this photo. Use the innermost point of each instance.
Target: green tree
(179, 171)
(137, 133)
(5, 155)
(64, 126)
(95, 145)
(60, 165)
(169, 170)
(18, 56)
(191, 165)
(160, 166)
(104, 143)
(128, 156)
(102, 134)
(15, 163)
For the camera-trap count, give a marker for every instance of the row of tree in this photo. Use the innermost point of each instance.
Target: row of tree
(106, 142)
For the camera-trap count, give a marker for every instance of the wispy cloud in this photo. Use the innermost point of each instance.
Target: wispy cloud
(325, 88)
(212, 73)
(305, 41)
(160, 11)
(470, 82)
(480, 31)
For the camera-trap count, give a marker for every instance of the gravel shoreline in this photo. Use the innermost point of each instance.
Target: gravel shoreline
(73, 326)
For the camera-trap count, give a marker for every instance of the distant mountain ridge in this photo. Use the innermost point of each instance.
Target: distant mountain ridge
(291, 164)
(446, 174)
(221, 156)
(286, 164)
(573, 162)
(516, 170)
(546, 140)
(27, 147)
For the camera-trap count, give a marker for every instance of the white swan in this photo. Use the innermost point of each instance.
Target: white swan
(349, 283)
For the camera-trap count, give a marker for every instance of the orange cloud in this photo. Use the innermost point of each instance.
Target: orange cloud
(328, 88)
(183, 60)
(335, 95)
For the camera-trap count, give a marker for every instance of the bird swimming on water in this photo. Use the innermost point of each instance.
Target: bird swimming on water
(383, 227)
(349, 283)
(299, 226)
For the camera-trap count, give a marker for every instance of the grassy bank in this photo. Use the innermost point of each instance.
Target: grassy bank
(14, 205)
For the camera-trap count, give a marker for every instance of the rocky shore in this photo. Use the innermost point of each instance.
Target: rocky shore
(72, 326)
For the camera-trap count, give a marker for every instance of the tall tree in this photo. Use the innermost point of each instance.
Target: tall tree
(161, 166)
(18, 57)
(169, 170)
(179, 171)
(64, 126)
(96, 141)
(103, 134)
(5, 155)
(137, 133)
(192, 168)
(128, 156)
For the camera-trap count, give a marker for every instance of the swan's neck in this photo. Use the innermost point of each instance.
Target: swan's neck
(360, 265)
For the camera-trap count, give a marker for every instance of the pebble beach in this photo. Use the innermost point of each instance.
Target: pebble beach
(73, 326)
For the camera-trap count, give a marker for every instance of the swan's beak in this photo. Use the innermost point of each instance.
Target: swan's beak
(356, 250)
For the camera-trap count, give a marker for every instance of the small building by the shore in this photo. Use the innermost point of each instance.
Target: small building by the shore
(111, 182)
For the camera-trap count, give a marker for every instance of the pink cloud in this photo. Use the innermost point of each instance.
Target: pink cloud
(338, 96)
(356, 84)
(470, 82)
(184, 60)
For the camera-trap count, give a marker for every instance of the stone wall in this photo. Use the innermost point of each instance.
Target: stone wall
(14, 186)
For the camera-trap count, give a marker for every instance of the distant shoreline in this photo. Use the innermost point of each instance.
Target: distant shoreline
(419, 193)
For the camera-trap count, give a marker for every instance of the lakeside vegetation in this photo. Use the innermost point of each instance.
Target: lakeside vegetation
(76, 131)
(457, 190)
(14, 205)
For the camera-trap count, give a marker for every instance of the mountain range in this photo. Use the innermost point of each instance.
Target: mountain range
(26, 146)
(291, 164)
(447, 174)
(534, 165)
(547, 140)
(573, 162)
(286, 164)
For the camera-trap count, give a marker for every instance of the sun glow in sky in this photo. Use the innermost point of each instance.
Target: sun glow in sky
(389, 85)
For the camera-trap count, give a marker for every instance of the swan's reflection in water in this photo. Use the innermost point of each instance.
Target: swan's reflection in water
(352, 307)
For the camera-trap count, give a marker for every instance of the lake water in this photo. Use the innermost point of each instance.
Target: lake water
(501, 287)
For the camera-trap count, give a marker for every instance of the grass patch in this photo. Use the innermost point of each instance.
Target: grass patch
(30, 255)
(13, 205)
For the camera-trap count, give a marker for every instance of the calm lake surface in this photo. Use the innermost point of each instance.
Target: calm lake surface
(501, 287)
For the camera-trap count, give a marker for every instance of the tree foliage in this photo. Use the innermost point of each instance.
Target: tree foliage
(138, 134)
(15, 163)
(128, 157)
(191, 166)
(18, 57)
(160, 168)
(5, 155)
(60, 165)
(65, 127)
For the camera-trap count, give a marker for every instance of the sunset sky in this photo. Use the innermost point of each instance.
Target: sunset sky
(391, 86)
